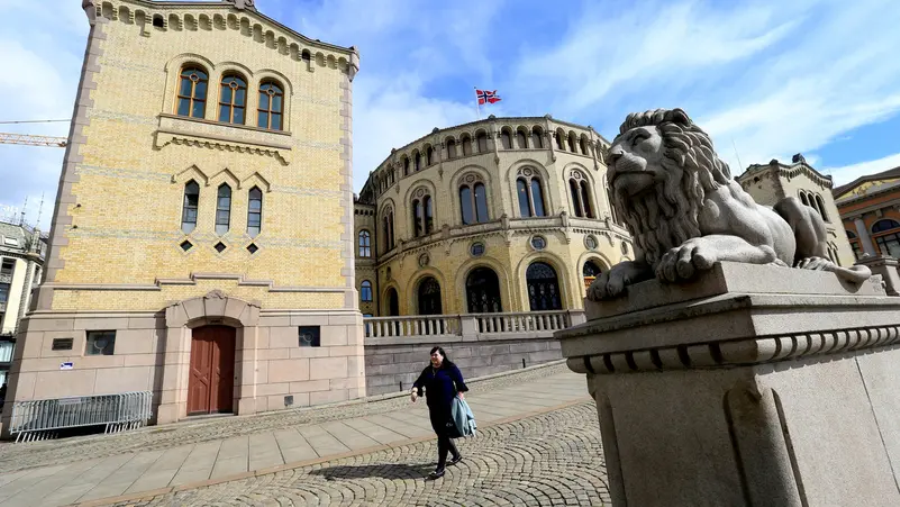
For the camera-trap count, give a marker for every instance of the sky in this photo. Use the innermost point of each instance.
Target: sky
(766, 78)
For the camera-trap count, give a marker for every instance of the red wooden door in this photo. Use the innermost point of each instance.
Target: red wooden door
(211, 382)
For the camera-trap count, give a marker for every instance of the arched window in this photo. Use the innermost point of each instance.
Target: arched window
(223, 209)
(189, 209)
(521, 139)
(885, 225)
(543, 288)
(392, 303)
(429, 297)
(232, 99)
(821, 206)
(423, 214)
(482, 140)
(466, 145)
(581, 195)
(271, 106)
(192, 90)
(531, 195)
(365, 291)
(506, 139)
(418, 160)
(803, 198)
(572, 142)
(561, 140)
(473, 200)
(483, 291)
(584, 146)
(537, 138)
(590, 272)
(451, 148)
(387, 223)
(429, 155)
(365, 244)
(405, 166)
(254, 212)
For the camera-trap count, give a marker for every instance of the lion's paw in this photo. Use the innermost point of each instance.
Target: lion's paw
(683, 262)
(608, 285)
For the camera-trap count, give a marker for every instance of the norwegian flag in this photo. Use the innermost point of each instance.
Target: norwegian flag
(485, 96)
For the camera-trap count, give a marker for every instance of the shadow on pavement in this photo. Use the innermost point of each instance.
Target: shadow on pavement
(381, 470)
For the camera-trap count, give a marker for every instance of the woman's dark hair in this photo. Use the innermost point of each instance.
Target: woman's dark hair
(447, 362)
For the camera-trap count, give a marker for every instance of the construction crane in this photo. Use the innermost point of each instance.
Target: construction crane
(32, 140)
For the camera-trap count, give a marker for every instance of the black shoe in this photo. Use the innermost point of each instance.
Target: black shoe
(455, 460)
(437, 474)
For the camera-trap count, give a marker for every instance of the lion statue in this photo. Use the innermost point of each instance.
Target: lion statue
(685, 212)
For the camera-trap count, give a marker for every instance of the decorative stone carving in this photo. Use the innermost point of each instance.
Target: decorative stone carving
(424, 260)
(242, 4)
(686, 213)
(215, 294)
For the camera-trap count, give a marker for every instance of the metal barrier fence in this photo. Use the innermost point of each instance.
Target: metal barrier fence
(34, 420)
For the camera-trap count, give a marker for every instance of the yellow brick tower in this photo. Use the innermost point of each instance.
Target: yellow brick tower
(202, 246)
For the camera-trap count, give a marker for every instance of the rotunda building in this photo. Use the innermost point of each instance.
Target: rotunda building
(498, 215)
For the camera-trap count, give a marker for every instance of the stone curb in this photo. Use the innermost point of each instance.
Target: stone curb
(300, 464)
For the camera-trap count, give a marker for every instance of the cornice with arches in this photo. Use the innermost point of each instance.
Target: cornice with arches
(208, 16)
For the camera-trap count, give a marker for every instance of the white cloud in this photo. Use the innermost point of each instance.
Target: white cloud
(848, 173)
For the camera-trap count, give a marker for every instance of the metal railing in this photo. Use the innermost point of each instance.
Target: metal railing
(35, 420)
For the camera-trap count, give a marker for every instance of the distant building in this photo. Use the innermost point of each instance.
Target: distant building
(870, 211)
(772, 182)
(22, 252)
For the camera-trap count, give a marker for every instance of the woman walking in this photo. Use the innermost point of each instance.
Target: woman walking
(442, 382)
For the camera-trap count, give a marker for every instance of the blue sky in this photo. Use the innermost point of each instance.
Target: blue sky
(766, 78)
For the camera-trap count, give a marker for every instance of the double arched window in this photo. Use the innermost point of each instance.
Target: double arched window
(271, 106)
(232, 99)
(192, 88)
(422, 213)
(473, 200)
(579, 190)
(387, 231)
(365, 244)
(530, 193)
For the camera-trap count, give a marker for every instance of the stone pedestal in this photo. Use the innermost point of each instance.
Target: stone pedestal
(886, 267)
(753, 386)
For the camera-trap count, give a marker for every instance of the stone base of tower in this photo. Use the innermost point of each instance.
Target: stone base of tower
(212, 354)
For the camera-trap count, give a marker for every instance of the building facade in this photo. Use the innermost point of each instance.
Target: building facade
(22, 251)
(870, 211)
(202, 244)
(498, 215)
(772, 182)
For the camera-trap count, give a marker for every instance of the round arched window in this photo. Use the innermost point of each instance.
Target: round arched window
(590, 242)
(477, 249)
(538, 242)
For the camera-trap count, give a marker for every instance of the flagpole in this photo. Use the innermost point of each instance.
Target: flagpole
(477, 105)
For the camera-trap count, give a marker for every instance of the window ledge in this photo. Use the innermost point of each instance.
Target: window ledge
(180, 130)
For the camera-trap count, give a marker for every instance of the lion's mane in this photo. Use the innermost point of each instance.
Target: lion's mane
(669, 215)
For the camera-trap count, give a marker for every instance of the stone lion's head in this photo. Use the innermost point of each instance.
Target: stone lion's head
(661, 166)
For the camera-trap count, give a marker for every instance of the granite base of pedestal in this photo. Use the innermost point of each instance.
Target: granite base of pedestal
(753, 386)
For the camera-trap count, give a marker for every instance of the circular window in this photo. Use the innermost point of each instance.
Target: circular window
(590, 242)
(625, 248)
(424, 260)
(538, 242)
(477, 249)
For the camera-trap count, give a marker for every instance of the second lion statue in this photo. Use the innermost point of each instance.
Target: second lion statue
(685, 212)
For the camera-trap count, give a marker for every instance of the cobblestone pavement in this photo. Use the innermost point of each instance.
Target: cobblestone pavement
(551, 459)
(15, 457)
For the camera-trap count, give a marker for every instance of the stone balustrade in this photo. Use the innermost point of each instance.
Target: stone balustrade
(469, 327)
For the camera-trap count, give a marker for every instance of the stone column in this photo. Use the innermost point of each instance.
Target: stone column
(752, 386)
(863, 233)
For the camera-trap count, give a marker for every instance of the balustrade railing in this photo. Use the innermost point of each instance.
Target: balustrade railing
(418, 325)
(471, 324)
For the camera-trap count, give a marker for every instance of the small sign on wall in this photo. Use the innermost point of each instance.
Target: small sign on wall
(66, 366)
